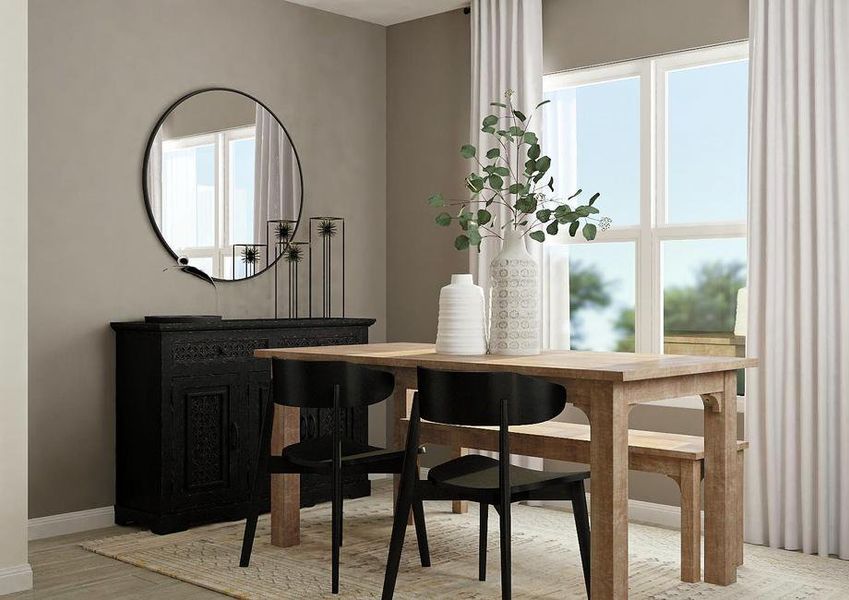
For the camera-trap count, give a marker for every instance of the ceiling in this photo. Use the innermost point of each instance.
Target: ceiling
(384, 12)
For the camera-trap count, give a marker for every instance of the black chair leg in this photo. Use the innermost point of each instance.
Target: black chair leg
(336, 528)
(506, 580)
(582, 526)
(248, 539)
(396, 544)
(421, 532)
(482, 541)
(260, 475)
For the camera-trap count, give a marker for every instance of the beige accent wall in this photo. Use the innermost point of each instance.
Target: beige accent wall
(15, 573)
(428, 90)
(101, 73)
(580, 33)
(428, 98)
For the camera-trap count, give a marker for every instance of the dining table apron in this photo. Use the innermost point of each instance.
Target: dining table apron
(604, 385)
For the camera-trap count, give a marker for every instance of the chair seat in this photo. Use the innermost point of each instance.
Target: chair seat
(318, 452)
(480, 473)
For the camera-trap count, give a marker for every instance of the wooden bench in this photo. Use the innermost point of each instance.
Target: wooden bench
(680, 457)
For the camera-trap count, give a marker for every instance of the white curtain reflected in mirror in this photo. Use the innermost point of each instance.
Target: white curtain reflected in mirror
(220, 167)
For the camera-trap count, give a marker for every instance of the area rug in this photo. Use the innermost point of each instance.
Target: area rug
(546, 561)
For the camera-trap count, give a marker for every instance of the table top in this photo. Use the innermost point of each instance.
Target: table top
(568, 364)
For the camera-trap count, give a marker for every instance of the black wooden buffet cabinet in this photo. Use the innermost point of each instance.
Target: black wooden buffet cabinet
(188, 406)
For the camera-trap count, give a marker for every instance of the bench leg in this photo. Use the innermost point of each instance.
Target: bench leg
(459, 507)
(739, 499)
(691, 521)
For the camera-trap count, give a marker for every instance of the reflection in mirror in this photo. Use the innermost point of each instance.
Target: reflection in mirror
(221, 177)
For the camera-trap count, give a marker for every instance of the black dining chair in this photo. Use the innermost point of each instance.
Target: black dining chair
(484, 399)
(336, 386)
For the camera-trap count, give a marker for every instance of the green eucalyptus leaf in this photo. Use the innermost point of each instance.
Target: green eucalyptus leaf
(467, 151)
(542, 103)
(534, 151)
(582, 211)
(461, 242)
(484, 216)
(520, 115)
(544, 215)
(552, 228)
(515, 188)
(543, 163)
(594, 198)
(503, 171)
(495, 182)
(436, 200)
(530, 138)
(501, 104)
(474, 236)
(576, 194)
(530, 166)
(589, 232)
(592, 210)
(490, 120)
(539, 236)
(493, 153)
(515, 130)
(573, 228)
(551, 184)
(443, 219)
(488, 129)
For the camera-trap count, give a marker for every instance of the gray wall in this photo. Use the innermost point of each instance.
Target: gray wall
(101, 73)
(579, 33)
(428, 90)
(16, 573)
(428, 98)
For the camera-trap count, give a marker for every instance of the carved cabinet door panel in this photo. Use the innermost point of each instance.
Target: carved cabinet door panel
(207, 441)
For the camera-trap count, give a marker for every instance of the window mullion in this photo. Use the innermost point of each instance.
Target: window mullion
(646, 327)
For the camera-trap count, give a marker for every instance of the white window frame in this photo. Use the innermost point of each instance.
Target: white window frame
(222, 251)
(653, 229)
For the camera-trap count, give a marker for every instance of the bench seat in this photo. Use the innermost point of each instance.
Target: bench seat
(680, 457)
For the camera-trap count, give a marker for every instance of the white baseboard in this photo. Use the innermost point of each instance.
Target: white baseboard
(15, 579)
(73, 522)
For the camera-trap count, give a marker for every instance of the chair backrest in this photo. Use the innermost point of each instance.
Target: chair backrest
(471, 398)
(311, 384)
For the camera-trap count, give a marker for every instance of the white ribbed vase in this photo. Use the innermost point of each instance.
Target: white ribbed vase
(514, 326)
(461, 328)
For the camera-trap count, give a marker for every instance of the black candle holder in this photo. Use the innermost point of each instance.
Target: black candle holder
(278, 234)
(293, 254)
(326, 229)
(250, 255)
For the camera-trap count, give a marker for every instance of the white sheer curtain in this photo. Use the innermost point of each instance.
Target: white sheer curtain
(506, 54)
(275, 173)
(797, 413)
(180, 198)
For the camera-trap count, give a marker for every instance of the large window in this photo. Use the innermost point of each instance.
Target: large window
(665, 142)
(208, 197)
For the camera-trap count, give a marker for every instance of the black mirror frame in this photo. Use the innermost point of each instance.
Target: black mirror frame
(146, 162)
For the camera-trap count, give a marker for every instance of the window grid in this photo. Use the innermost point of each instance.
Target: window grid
(654, 229)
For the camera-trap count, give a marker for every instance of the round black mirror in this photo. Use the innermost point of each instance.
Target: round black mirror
(223, 183)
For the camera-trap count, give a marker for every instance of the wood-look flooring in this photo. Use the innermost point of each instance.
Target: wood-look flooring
(63, 570)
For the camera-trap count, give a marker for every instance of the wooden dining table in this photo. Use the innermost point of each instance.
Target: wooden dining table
(604, 385)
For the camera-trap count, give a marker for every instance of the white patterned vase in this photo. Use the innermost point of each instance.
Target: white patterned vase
(461, 328)
(514, 326)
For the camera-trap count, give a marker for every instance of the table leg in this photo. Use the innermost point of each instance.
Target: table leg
(608, 416)
(285, 489)
(459, 506)
(721, 482)
(405, 379)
